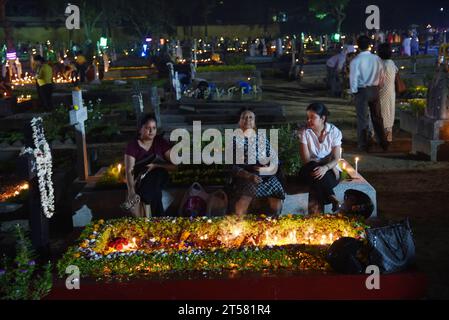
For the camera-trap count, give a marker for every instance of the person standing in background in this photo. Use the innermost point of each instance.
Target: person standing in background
(365, 78)
(44, 81)
(387, 92)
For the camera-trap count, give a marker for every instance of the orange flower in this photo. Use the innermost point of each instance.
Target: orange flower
(77, 255)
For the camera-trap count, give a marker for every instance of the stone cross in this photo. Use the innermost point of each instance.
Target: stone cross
(77, 118)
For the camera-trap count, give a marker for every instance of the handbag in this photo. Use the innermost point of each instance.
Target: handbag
(392, 248)
(399, 84)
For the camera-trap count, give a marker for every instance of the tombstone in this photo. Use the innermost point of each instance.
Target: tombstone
(279, 50)
(195, 58)
(177, 86)
(26, 170)
(77, 118)
(171, 74)
(137, 102)
(432, 136)
(96, 74)
(264, 48)
(192, 71)
(252, 50)
(178, 50)
(155, 102)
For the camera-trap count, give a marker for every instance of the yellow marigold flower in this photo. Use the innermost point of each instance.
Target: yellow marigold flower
(77, 255)
(84, 244)
(92, 236)
(101, 221)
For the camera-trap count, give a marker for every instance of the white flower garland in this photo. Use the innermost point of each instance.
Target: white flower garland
(43, 168)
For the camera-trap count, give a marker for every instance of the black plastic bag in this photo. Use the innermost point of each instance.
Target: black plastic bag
(343, 256)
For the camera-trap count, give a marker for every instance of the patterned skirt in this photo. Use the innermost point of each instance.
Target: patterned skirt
(271, 187)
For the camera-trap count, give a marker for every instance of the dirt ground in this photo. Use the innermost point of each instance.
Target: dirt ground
(407, 185)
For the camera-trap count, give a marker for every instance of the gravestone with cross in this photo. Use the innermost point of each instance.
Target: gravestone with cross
(78, 115)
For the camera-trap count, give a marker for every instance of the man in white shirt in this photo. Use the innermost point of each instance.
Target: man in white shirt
(334, 67)
(365, 77)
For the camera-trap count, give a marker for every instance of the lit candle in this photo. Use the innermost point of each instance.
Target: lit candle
(357, 165)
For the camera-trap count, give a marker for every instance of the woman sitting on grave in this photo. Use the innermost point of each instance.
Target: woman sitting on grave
(251, 177)
(320, 149)
(147, 162)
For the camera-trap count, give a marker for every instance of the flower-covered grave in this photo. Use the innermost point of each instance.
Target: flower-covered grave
(135, 246)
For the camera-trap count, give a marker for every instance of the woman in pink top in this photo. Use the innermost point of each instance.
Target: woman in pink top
(147, 144)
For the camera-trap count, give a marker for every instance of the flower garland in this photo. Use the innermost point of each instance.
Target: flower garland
(43, 167)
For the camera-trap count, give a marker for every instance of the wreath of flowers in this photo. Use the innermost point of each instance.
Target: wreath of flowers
(43, 166)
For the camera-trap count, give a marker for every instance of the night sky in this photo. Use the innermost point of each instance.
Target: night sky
(395, 14)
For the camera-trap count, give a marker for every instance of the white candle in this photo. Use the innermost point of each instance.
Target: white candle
(357, 165)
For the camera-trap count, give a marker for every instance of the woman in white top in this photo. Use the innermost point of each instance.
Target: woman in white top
(387, 91)
(320, 148)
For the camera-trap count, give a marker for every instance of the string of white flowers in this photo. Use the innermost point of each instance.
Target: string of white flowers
(42, 156)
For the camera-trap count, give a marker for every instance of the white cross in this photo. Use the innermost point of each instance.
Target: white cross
(79, 114)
